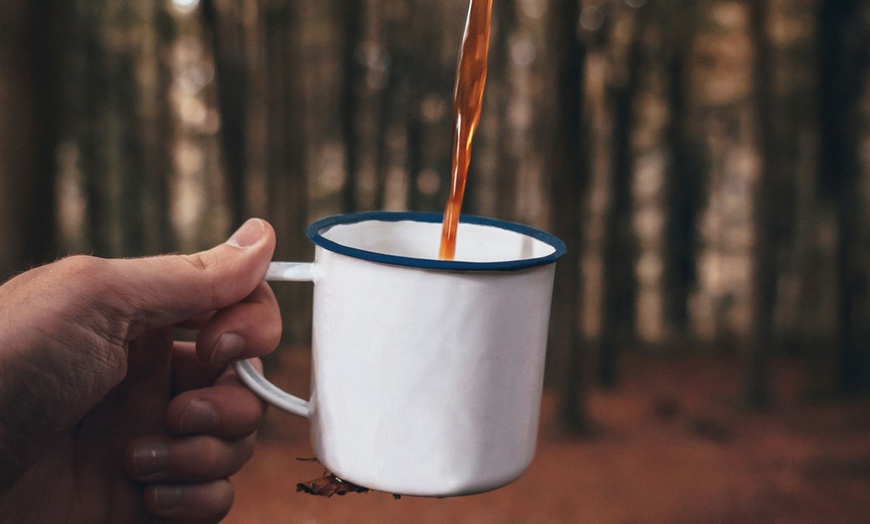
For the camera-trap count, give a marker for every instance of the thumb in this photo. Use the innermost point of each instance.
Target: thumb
(164, 290)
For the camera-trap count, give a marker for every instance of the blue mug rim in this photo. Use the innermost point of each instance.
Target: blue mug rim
(315, 233)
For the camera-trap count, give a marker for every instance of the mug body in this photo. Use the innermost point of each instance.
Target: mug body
(427, 375)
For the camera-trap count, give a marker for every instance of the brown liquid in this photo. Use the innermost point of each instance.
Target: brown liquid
(467, 103)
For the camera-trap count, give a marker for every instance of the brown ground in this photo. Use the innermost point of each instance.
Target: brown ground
(671, 446)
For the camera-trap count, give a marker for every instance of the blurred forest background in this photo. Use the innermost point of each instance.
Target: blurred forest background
(706, 161)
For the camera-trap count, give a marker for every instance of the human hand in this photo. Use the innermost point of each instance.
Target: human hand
(104, 417)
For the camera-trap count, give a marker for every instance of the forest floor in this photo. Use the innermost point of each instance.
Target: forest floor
(671, 445)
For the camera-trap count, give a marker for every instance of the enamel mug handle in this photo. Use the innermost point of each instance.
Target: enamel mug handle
(256, 382)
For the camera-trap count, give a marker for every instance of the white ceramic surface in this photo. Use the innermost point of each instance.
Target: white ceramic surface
(427, 375)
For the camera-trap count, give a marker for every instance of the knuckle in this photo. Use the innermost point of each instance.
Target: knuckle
(246, 450)
(79, 268)
(81, 262)
(213, 452)
(220, 458)
(198, 261)
(205, 268)
(84, 279)
(222, 499)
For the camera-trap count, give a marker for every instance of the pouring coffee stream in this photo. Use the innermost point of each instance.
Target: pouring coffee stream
(467, 105)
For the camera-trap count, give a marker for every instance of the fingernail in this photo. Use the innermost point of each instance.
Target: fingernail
(150, 458)
(248, 235)
(198, 416)
(228, 347)
(168, 497)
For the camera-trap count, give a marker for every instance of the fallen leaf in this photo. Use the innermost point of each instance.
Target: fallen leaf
(329, 485)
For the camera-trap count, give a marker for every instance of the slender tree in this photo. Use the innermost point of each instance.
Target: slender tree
(285, 152)
(114, 96)
(569, 180)
(415, 126)
(230, 39)
(86, 84)
(28, 128)
(844, 61)
(352, 22)
(764, 289)
(392, 99)
(428, 132)
(501, 93)
(619, 251)
(686, 171)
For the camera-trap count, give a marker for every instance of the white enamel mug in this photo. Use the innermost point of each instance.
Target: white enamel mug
(427, 375)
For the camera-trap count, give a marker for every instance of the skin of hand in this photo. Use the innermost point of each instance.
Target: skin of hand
(104, 417)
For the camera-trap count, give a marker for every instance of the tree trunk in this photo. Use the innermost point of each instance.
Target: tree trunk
(761, 337)
(619, 252)
(843, 65)
(569, 179)
(286, 162)
(429, 128)
(352, 17)
(155, 114)
(501, 92)
(224, 23)
(115, 97)
(28, 114)
(684, 177)
(414, 127)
